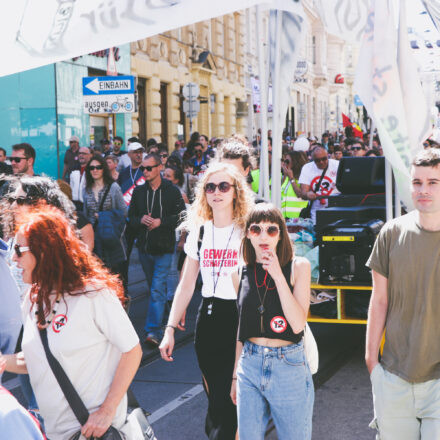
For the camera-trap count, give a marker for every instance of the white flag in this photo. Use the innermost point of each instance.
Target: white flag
(388, 84)
(292, 35)
(344, 18)
(433, 8)
(38, 32)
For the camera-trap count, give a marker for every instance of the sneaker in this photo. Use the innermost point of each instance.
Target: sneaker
(152, 340)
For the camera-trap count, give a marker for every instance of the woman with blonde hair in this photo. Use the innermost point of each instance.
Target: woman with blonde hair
(215, 223)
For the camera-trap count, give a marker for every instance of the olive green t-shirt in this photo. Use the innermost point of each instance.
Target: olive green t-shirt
(409, 257)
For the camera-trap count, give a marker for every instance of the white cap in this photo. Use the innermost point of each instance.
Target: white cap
(301, 144)
(135, 146)
(74, 139)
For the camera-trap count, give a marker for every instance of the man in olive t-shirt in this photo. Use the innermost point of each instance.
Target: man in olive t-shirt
(405, 302)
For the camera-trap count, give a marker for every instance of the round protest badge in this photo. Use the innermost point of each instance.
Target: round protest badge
(58, 323)
(278, 324)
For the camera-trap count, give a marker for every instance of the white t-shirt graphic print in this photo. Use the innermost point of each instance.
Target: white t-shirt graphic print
(218, 260)
(311, 174)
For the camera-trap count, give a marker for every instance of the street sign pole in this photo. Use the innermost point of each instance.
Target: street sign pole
(191, 105)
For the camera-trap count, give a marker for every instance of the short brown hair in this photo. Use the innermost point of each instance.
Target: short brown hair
(427, 158)
(267, 213)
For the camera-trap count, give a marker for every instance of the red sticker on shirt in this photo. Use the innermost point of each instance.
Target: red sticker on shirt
(278, 324)
(58, 323)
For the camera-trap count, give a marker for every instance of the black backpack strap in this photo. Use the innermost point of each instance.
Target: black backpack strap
(318, 185)
(101, 205)
(72, 397)
(199, 242)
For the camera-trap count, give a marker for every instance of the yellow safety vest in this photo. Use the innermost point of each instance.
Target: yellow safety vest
(291, 204)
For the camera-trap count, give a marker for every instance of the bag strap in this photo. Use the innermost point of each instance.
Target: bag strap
(72, 397)
(320, 179)
(199, 241)
(101, 205)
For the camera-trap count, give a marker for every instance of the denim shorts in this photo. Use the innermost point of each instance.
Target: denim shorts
(274, 382)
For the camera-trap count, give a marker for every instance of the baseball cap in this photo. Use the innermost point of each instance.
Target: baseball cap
(135, 146)
(301, 144)
(74, 139)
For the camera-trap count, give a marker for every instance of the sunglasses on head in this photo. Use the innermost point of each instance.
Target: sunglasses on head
(20, 200)
(320, 159)
(148, 168)
(20, 249)
(271, 231)
(96, 167)
(223, 187)
(16, 159)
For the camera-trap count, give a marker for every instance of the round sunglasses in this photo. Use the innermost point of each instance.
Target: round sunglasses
(257, 230)
(223, 187)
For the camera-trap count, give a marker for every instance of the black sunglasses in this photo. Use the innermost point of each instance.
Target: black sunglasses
(320, 159)
(17, 159)
(96, 167)
(256, 230)
(20, 249)
(198, 151)
(20, 200)
(163, 155)
(149, 168)
(356, 148)
(223, 187)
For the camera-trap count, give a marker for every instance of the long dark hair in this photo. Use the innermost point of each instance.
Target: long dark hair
(267, 213)
(298, 159)
(107, 177)
(178, 174)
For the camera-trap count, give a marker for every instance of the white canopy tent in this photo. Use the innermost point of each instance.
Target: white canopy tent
(33, 36)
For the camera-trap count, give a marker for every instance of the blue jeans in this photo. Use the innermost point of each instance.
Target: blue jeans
(173, 275)
(277, 382)
(156, 268)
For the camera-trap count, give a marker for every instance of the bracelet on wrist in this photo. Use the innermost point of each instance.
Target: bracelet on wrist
(171, 326)
(234, 378)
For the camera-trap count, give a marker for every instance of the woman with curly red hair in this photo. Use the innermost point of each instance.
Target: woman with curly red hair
(78, 302)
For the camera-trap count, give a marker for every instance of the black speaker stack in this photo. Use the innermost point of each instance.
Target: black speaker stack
(347, 229)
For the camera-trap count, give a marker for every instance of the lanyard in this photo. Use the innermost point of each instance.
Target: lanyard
(133, 179)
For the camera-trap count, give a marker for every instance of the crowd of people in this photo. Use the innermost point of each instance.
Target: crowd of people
(193, 213)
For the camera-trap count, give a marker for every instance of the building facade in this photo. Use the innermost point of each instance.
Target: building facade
(44, 107)
(210, 54)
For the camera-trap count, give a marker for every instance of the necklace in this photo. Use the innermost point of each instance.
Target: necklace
(261, 308)
(214, 280)
(52, 314)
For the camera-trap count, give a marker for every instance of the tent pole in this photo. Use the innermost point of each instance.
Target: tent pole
(388, 190)
(276, 118)
(263, 190)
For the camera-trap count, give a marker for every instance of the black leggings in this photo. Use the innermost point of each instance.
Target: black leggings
(215, 341)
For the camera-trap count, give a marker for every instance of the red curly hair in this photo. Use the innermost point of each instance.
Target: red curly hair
(63, 262)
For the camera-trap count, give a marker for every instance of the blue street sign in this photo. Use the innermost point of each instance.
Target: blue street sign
(357, 100)
(108, 85)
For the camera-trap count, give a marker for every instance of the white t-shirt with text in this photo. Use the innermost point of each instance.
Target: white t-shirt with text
(310, 175)
(218, 260)
(87, 336)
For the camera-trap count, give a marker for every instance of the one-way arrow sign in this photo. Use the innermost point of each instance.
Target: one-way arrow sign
(108, 85)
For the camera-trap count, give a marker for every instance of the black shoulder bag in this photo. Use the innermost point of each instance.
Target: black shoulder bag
(72, 397)
(307, 211)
